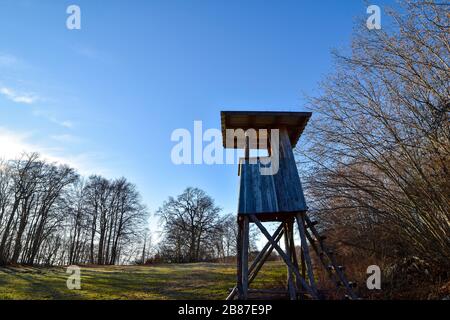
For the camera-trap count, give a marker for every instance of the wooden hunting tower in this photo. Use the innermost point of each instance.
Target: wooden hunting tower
(271, 191)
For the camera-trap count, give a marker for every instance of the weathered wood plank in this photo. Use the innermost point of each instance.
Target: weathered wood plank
(281, 192)
(287, 181)
(256, 192)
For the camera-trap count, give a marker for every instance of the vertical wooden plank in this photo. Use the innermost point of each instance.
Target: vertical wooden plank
(256, 192)
(287, 181)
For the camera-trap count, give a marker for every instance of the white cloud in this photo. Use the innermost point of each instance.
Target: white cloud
(14, 144)
(26, 98)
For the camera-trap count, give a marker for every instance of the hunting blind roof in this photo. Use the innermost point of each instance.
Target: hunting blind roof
(294, 122)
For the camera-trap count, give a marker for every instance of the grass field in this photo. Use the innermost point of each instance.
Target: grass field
(177, 281)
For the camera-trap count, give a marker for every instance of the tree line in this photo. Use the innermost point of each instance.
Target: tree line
(378, 152)
(193, 229)
(50, 215)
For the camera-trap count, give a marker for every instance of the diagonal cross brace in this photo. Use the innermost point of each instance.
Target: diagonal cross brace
(286, 259)
(259, 260)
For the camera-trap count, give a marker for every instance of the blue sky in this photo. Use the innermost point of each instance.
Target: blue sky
(106, 98)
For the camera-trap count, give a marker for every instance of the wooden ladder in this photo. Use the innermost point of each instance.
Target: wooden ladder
(327, 258)
(301, 286)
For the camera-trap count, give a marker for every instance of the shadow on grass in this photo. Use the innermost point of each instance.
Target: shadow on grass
(168, 282)
(37, 283)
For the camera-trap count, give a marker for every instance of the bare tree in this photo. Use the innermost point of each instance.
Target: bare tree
(378, 149)
(189, 220)
(48, 215)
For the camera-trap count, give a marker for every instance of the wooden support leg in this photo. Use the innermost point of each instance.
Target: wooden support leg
(294, 254)
(245, 249)
(283, 255)
(305, 248)
(287, 244)
(239, 258)
(259, 260)
(303, 261)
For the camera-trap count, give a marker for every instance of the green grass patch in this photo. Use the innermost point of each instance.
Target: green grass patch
(160, 282)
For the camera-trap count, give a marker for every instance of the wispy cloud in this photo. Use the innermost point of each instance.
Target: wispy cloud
(62, 123)
(18, 97)
(66, 123)
(13, 144)
(92, 53)
(15, 89)
(12, 62)
(66, 138)
(87, 52)
(8, 60)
